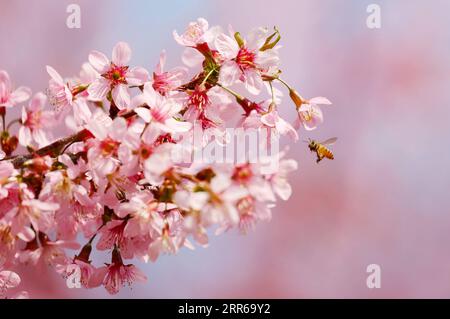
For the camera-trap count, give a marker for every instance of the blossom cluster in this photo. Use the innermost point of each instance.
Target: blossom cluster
(111, 182)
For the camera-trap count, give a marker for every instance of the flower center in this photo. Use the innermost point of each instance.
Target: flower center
(307, 116)
(116, 74)
(245, 206)
(6, 237)
(109, 146)
(199, 99)
(245, 59)
(145, 151)
(4, 99)
(205, 122)
(33, 119)
(242, 174)
(59, 97)
(161, 83)
(64, 188)
(193, 32)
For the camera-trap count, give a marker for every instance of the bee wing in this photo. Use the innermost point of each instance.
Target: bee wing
(329, 141)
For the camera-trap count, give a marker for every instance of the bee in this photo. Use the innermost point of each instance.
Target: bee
(321, 149)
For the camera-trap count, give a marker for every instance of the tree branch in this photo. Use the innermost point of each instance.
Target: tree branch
(54, 149)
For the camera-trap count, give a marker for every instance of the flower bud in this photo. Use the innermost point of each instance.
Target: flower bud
(206, 174)
(116, 258)
(296, 98)
(85, 253)
(248, 105)
(269, 44)
(205, 50)
(239, 40)
(107, 215)
(8, 143)
(37, 164)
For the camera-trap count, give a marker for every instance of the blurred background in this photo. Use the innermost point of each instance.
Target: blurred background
(383, 200)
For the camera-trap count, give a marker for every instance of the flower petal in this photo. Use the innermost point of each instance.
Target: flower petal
(269, 119)
(20, 95)
(226, 46)
(162, 61)
(54, 75)
(253, 82)
(191, 57)
(40, 137)
(121, 54)
(98, 89)
(320, 100)
(25, 136)
(282, 188)
(121, 97)
(229, 73)
(137, 76)
(99, 61)
(9, 279)
(177, 126)
(143, 113)
(38, 101)
(4, 78)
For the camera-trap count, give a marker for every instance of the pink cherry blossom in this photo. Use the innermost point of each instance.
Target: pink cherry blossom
(161, 111)
(115, 75)
(87, 74)
(225, 210)
(70, 189)
(194, 33)
(116, 274)
(47, 252)
(114, 166)
(248, 175)
(35, 120)
(8, 96)
(8, 280)
(158, 163)
(277, 123)
(165, 82)
(85, 269)
(171, 237)
(144, 217)
(270, 121)
(208, 107)
(102, 151)
(193, 202)
(31, 213)
(6, 170)
(252, 211)
(245, 62)
(58, 92)
(310, 114)
(136, 147)
(279, 179)
(114, 234)
(197, 34)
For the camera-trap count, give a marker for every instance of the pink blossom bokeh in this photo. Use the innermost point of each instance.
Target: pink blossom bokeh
(383, 200)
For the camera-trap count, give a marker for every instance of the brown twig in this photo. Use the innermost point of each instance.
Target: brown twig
(54, 149)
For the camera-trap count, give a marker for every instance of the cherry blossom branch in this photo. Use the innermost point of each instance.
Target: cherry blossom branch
(122, 187)
(18, 121)
(58, 147)
(54, 149)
